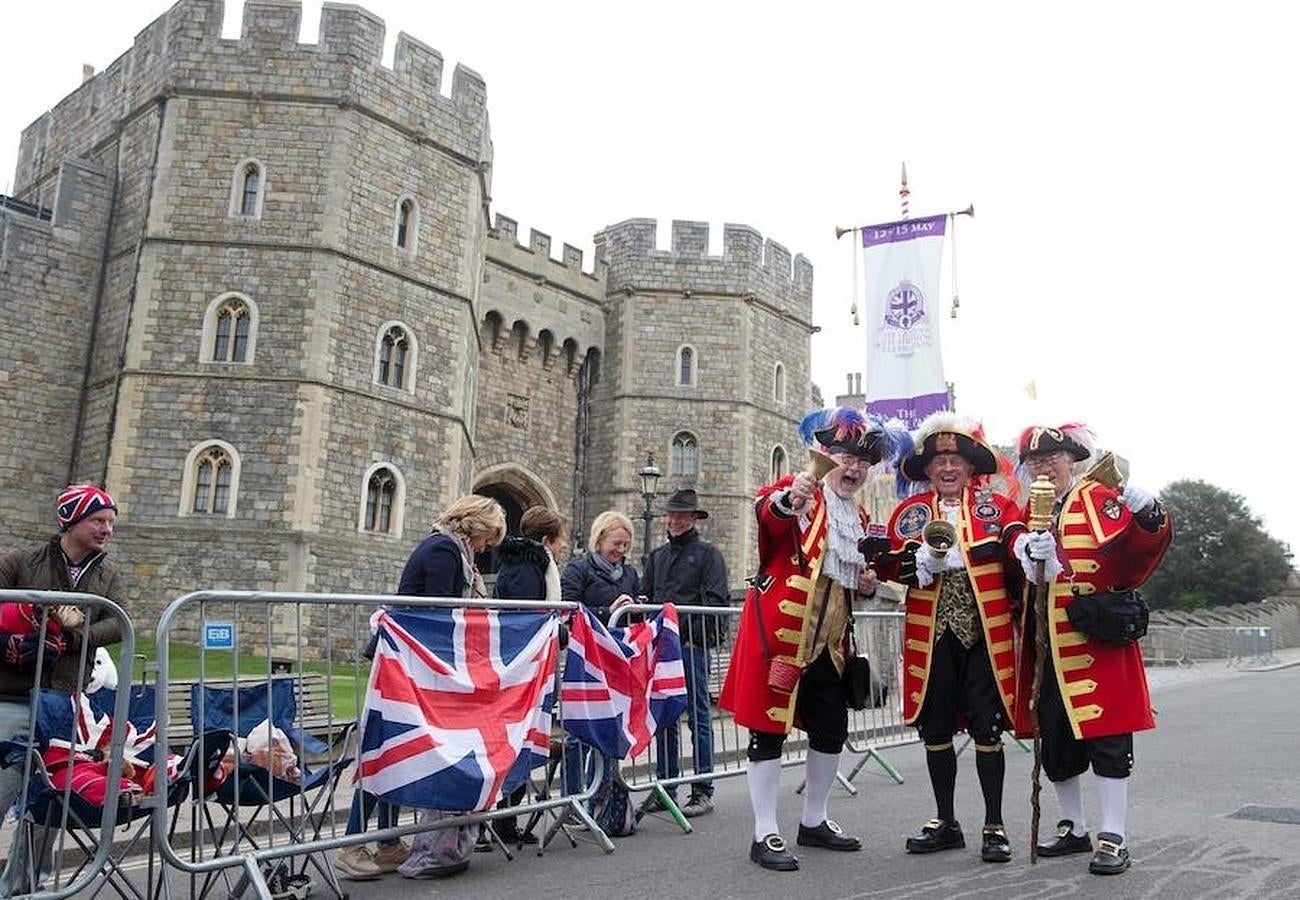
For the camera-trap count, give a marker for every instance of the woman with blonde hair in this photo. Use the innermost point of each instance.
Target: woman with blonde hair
(602, 579)
(441, 566)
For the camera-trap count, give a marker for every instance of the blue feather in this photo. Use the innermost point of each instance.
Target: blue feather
(813, 422)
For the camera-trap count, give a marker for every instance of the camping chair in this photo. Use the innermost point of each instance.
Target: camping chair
(257, 788)
(48, 810)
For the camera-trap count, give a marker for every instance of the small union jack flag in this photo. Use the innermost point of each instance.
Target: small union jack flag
(621, 684)
(458, 709)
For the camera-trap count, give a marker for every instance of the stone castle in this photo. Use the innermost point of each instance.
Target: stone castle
(256, 288)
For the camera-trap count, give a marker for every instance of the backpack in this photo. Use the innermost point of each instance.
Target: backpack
(611, 806)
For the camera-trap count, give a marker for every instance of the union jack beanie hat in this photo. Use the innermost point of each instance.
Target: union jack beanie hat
(80, 500)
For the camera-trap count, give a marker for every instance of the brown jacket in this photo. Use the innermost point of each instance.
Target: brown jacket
(42, 567)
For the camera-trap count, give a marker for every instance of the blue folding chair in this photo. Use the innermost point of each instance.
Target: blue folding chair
(257, 788)
(48, 809)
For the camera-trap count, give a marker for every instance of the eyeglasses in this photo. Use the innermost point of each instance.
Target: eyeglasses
(1044, 460)
(854, 462)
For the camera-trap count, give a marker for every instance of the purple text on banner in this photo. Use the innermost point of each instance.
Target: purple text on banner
(910, 409)
(906, 230)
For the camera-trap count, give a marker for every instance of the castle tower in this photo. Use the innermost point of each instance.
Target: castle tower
(707, 365)
(287, 342)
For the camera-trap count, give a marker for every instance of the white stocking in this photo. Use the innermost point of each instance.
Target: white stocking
(1069, 793)
(764, 779)
(1114, 804)
(819, 776)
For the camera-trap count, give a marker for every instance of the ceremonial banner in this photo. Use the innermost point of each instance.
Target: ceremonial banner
(458, 709)
(904, 367)
(621, 684)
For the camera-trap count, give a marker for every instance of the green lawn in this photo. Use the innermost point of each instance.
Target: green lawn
(347, 681)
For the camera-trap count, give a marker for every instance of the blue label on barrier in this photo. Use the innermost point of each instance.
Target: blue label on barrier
(218, 635)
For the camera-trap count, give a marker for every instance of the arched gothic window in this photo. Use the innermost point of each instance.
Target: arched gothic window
(685, 457)
(230, 341)
(395, 357)
(778, 383)
(383, 496)
(210, 485)
(686, 366)
(780, 464)
(406, 223)
(248, 190)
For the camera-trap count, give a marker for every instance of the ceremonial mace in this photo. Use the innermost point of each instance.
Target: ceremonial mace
(1042, 496)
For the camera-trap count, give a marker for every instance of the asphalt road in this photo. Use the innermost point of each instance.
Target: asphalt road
(1226, 741)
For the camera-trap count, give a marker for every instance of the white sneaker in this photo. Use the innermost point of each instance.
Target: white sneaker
(356, 864)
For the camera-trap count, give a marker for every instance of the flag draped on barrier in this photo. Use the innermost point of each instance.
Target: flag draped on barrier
(904, 367)
(458, 709)
(620, 684)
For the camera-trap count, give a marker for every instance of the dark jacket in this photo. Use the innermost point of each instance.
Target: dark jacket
(689, 571)
(522, 575)
(434, 569)
(582, 582)
(43, 567)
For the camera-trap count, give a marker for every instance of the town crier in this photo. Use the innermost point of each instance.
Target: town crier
(951, 545)
(1103, 544)
(793, 642)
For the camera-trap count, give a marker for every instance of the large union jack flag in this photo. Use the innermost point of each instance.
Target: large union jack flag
(621, 684)
(458, 709)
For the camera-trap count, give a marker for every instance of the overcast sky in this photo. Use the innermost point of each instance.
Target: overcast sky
(1134, 168)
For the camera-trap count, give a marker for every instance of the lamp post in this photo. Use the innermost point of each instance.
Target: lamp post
(649, 474)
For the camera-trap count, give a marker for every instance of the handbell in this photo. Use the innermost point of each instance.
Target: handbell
(1106, 472)
(819, 464)
(939, 535)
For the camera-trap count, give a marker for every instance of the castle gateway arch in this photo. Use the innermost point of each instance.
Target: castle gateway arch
(516, 489)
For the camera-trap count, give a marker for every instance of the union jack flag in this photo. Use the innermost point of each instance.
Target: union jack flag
(458, 709)
(621, 684)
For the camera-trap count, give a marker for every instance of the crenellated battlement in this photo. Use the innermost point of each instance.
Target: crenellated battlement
(535, 256)
(182, 53)
(748, 264)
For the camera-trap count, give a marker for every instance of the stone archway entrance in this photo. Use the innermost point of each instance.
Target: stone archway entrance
(517, 490)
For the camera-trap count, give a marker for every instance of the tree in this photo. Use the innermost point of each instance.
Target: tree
(1220, 553)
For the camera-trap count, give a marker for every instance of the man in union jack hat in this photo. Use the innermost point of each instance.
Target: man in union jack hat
(72, 560)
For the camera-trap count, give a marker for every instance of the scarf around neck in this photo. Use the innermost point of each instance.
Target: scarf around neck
(613, 570)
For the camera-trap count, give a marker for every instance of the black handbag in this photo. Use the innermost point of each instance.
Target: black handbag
(1117, 618)
(857, 675)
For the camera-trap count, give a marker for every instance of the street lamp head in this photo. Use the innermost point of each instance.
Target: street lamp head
(649, 475)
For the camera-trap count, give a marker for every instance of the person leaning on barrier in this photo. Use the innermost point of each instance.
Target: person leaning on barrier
(528, 572)
(1104, 543)
(950, 547)
(442, 565)
(793, 641)
(602, 580)
(689, 571)
(75, 559)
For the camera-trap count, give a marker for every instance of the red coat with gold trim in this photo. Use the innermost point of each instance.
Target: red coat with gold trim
(1103, 548)
(789, 561)
(987, 527)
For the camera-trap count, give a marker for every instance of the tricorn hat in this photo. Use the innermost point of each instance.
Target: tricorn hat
(1073, 439)
(946, 432)
(685, 500)
(847, 430)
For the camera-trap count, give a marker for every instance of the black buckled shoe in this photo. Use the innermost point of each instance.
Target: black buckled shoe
(1066, 842)
(1111, 856)
(997, 846)
(936, 835)
(771, 853)
(828, 835)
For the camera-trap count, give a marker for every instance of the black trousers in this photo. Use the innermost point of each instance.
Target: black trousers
(961, 683)
(820, 709)
(1064, 755)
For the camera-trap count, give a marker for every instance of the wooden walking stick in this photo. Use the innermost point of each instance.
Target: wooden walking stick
(1042, 496)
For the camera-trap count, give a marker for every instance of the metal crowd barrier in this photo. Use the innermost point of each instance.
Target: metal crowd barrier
(29, 869)
(1252, 646)
(659, 772)
(275, 629)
